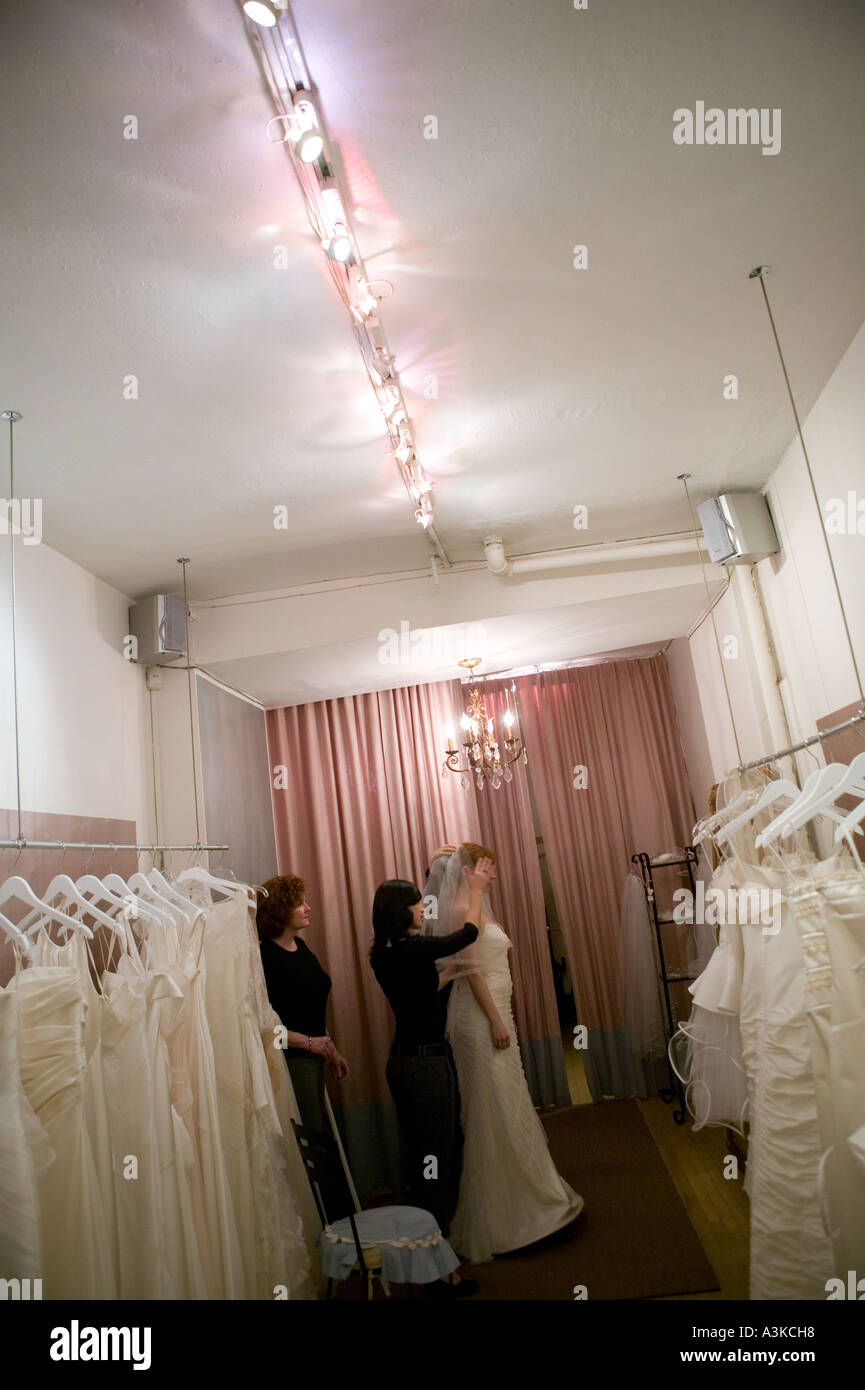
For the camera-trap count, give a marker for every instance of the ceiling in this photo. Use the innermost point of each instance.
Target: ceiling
(555, 387)
(623, 626)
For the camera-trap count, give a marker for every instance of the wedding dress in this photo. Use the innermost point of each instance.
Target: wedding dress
(510, 1193)
(272, 1236)
(706, 1052)
(146, 1149)
(773, 977)
(74, 954)
(829, 908)
(77, 1239)
(180, 953)
(791, 1254)
(20, 1162)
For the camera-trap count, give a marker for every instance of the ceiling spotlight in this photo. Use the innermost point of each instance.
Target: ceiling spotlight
(423, 517)
(309, 146)
(382, 369)
(403, 454)
(262, 12)
(338, 247)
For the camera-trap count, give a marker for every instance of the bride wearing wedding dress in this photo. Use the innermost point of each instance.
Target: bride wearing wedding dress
(510, 1193)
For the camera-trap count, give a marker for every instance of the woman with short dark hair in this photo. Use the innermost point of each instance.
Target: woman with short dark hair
(420, 1069)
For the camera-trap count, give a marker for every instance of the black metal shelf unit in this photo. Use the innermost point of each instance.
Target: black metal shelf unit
(648, 868)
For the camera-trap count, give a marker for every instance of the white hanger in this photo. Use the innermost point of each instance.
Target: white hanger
(15, 935)
(226, 885)
(62, 884)
(852, 781)
(89, 883)
(838, 779)
(118, 885)
(855, 774)
(823, 793)
(160, 915)
(18, 888)
(769, 794)
(851, 823)
(103, 893)
(777, 826)
(705, 829)
(170, 893)
(144, 892)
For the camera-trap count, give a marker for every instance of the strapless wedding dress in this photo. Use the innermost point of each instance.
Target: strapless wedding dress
(510, 1192)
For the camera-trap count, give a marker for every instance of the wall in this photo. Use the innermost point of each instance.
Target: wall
(231, 804)
(801, 608)
(236, 780)
(87, 755)
(84, 728)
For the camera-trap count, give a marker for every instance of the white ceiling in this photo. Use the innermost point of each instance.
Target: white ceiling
(555, 387)
(632, 625)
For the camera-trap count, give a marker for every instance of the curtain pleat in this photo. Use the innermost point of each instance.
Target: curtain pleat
(609, 781)
(517, 899)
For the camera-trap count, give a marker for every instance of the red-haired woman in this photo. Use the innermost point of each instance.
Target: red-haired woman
(298, 988)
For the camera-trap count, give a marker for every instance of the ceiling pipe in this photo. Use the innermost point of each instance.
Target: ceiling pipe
(646, 548)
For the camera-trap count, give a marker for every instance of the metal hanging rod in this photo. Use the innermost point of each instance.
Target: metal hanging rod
(805, 743)
(65, 844)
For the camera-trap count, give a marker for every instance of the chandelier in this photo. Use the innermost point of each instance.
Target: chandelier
(484, 756)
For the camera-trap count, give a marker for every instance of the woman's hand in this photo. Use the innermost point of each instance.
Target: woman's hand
(443, 849)
(499, 1033)
(338, 1065)
(480, 878)
(323, 1047)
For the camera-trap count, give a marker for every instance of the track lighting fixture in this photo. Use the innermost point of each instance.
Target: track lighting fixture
(261, 12)
(309, 146)
(339, 247)
(299, 121)
(405, 452)
(365, 309)
(382, 369)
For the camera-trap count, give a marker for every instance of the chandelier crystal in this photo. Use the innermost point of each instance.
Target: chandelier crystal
(484, 757)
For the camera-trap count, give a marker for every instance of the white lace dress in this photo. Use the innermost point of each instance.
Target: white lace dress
(510, 1192)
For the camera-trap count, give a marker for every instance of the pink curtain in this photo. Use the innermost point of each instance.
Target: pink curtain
(364, 801)
(517, 899)
(609, 780)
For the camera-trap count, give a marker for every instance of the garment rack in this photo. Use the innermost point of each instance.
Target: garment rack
(667, 977)
(805, 743)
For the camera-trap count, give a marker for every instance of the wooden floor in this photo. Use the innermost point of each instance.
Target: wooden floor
(717, 1206)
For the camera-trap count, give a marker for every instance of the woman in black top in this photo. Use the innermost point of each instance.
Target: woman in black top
(298, 988)
(420, 1069)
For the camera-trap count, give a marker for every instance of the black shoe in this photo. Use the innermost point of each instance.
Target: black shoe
(442, 1288)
